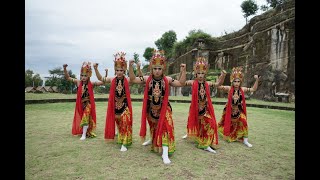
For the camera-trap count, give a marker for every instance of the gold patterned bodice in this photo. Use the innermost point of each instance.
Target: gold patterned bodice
(156, 93)
(85, 99)
(202, 98)
(236, 104)
(120, 97)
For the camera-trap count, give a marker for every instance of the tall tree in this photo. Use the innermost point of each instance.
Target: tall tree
(136, 57)
(57, 79)
(55, 75)
(249, 7)
(275, 3)
(166, 42)
(32, 80)
(28, 78)
(185, 45)
(148, 53)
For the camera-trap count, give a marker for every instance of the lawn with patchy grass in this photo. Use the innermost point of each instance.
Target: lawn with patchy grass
(39, 96)
(52, 152)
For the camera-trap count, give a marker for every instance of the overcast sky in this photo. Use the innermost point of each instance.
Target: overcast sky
(73, 31)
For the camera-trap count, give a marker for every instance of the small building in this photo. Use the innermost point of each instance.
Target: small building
(30, 89)
(54, 89)
(48, 89)
(40, 89)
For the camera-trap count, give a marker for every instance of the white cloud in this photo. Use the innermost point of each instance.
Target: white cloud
(59, 32)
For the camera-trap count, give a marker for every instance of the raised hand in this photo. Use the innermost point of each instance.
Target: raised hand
(65, 66)
(131, 62)
(95, 65)
(138, 64)
(182, 67)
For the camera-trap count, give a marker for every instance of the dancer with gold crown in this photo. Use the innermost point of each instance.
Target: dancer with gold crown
(119, 105)
(156, 108)
(84, 121)
(233, 125)
(202, 125)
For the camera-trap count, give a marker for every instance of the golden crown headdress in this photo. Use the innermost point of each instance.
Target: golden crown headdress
(158, 60)
(201, 65)
(236, 74)
(120, 61)
(86, 68)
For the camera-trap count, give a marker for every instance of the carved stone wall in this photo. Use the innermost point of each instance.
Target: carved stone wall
(265, 46)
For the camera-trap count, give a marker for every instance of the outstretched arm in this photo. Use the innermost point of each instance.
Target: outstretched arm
(182, 77)
(224, 88)
(189, 82)
(104, 79)
(66, 75)
(106, 72)
(133, 78)
(139, 70)
(255, 86)
(95, 66)
(220, 79)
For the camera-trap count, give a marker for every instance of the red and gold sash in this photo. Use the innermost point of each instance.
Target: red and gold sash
(78, 112)
(227, 122)
(109, 131)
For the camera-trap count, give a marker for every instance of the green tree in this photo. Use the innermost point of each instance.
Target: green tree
(55, 75)
(57, 79)
(145, 69)
(249, 7)
(37, 80)
(275, 3)
(264, 7)
(166, 42)
(186, 44)
(28, 78)
(136, 57)
(32, 80)
(148, 53)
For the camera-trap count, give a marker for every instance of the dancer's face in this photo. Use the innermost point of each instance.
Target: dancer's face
(84, 77)
(119, 72)
(200, 76)
(157, 72)
(236, 83)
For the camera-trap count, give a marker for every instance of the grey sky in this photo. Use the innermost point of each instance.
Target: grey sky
(73, 31)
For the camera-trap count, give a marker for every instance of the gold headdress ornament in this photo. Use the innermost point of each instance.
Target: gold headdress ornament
(120, 61)
(236, 74)
(201, 65)
(158, 60)
(86, 69)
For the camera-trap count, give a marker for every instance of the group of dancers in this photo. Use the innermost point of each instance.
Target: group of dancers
(156, 109)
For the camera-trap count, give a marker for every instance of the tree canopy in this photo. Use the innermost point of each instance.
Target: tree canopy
(166, 42)
(32, 80)
(249, 7)
(148, 53)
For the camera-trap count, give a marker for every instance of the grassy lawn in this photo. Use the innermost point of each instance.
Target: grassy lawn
(35, 96)
(52, 152)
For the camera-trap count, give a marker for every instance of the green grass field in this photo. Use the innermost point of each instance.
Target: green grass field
(35, 96)
(52, 152)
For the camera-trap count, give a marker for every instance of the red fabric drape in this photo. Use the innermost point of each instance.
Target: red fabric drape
(143, 126)
(109, 131)
(227, 122)
(193, 115)
(78, 112)
(158, 133)
(211, 112)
